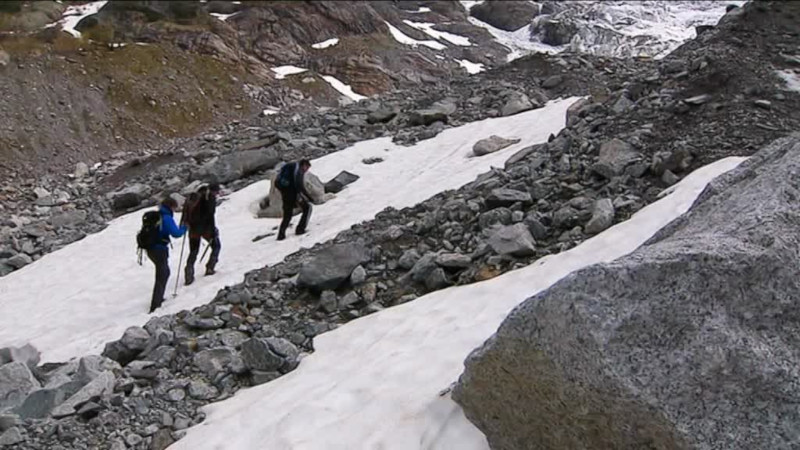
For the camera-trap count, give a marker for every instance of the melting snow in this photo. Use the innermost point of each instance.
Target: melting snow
(427, 28)
(378, 382)
(284, 71)
(468, 4)
(791, 78)
(422, 9)
(270, 111)
(471, 67)
(74, 14)
(223, 17)
(89, 292)
(326, 44)
(343, 89)
(518, 42)
(402, 38)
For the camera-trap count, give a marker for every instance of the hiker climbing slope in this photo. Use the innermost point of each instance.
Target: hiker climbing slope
(199, 216)
(154, 238)
(291, 184)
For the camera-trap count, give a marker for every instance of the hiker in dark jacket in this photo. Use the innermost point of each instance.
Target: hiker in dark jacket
(159, 253)
(199, 216)
(290, 183)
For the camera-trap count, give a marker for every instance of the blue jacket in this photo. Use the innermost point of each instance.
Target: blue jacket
(168, 227)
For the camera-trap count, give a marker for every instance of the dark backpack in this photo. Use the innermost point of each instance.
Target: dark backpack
(150, 234)
(285, 176)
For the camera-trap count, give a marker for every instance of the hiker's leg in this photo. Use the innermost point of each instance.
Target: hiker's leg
(301, 227)
(194, 249)
(160, 258)
(216, 246)
(289, 201)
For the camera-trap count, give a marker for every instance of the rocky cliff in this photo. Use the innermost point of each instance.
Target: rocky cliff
(686, 343)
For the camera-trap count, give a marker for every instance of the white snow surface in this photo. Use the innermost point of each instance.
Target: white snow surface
(72, 301)
(284, 71)
(223, 17)
(791, 78)
(403, 38)
(343, 89)
(325, 44)
(422, 9)
(518, 42)
(472, 68)
(427, 28)
(74, 14)
(378, 382)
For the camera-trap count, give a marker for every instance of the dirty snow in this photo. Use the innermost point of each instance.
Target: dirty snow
(284, 71)
(422, 9)
(74, 14)
(427, 28)
(343, 89)
(223, 17)
(402, 38)
(325, 44)
(791, 78)
(472, 68)
(381, 382)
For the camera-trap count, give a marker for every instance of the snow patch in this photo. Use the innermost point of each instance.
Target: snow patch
(270, 111)
(380, 382)
(468, 4)
(427, 28)
(284, 71)
(402, 38)
(791, 78)
(326, 44)
(89, 292)
(422, 9)
(343, 89)
(472, 68)
(223, 17)
(518, 42)
(74, 14)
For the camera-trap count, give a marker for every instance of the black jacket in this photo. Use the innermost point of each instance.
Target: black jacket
(296, 179)
(201, 216)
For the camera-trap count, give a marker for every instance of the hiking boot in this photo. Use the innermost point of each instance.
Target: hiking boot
(299, 232)
(281, 237)
(189, 275)
(210, 271)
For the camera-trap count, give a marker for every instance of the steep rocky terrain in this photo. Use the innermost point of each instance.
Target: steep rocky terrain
(643, 126)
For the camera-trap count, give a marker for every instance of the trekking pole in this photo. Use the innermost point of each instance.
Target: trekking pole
(205, 251)
(180, 260)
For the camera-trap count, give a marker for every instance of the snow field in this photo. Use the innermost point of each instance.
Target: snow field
(71, 302)
(343, 89)
(325, 44)
(380, 382)
(402, 38)
(284, 71)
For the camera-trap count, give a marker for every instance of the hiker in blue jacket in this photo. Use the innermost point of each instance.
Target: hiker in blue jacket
(291, 184)
(159, 252)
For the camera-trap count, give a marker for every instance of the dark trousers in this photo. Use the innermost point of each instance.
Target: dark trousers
(160, 258)
(290, 200)
(194, 250)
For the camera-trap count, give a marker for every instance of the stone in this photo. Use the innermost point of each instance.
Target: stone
(39, 403)
(133, 439)
(508, 15)
(258, 355)
(622, 104)
(328, 301)
(69, 218)
(19, 261)
(614, 156)
(453, 260)
(501, 216)
(349, 300)
(89, 410)
(492, 144)
(436, 279)
(90, 367)
(201, 390)
(340, 181)
(535, 226)
(232, 338)
(161, 439)
(698, 100)
(507, 197)
(258, 377)
(81, 170)
(565, 218)
(11, 437)
(26, 354)
(288, 351)
(176, 395)
(423, 267)
(514, 240)
(8, 420)
(236, 165)
(381, 115)
(129, 197)
(219, 360)
(552, 81)
(16, 382)
(576, 110)
(649, 349)
(4, 58)
(669, 178)
(438, 112)
(332, 266)
(408, 259)
(100, 387)
(358, 276)
(203, 323)
(763, 104)
(602, 216)
(517, 102)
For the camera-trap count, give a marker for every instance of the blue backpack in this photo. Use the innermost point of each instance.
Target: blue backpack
(285, 176)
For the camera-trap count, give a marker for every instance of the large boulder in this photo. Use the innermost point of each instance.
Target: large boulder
(216, 360)
(340, 181)
(438, 112)
(514, 240)
(100, 387)
(492, 144)
(331, 267)
(689, 342)
(129, 196)
(26, 354)
(272, 206)
(507, 197)
(16, 382)
(126, 349)
(509, 15)
(236, 165)
(602, 216)
(615, 156)
(516, 103)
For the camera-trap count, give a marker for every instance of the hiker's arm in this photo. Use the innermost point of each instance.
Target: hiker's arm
(172, 229)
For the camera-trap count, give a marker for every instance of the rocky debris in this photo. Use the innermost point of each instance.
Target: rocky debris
(513, 240)
(234, 166)
(126, 349)
(340, 181)
(508, 15)
(630, 349)
(332, 267)
(492, 144)
(615, 156)
(517, 102)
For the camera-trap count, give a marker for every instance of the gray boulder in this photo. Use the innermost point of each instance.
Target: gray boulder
(507, 197)
(438, 112)
(16, 382)
(453, 260)
(614, 156)
(234, 166)
(201, 390)
(687, 343)
(332, 266)
(381, 115)
(517, 102)
(513, 240)
(602, 216)
(340, 181)
(218, 360)
(11, 437)
(129, 197)
(100, 387)
(69, 218)
(408, 259)
(508, 15)
(19, 261)
(258, 355)
(41, 402)
(26, 354)
(492, 144)
(135, 338)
